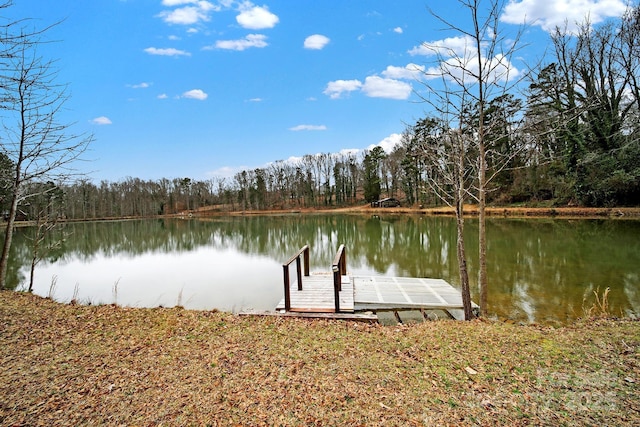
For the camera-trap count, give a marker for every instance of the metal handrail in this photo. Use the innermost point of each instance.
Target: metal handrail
(304, 251)
(339, 268)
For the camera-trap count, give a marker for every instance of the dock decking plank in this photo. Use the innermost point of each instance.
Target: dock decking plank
(404, 293)
(317, 295)
(372, 293)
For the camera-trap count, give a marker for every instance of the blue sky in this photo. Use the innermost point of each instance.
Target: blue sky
(195, 88)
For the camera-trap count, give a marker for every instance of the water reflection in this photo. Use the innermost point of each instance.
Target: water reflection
(193, 278)
(539, 270)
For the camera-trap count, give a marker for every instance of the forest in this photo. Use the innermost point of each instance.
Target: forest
(569, 138)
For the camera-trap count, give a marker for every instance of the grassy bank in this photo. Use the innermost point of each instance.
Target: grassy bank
(79, 365)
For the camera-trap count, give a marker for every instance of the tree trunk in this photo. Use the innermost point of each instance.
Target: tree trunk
(32, 271)
(482, 234)
(482, 160)
(462, 264)
(8, 236)
(462, 256)
(35, 256)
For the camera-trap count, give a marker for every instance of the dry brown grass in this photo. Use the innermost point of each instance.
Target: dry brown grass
(470, 210)
(106, 365)
(599, 307)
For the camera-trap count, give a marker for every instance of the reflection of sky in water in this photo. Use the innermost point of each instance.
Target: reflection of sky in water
(539, 270)
(204, 278)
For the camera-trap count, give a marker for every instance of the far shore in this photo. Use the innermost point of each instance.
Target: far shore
(569, 212)
(470, 210)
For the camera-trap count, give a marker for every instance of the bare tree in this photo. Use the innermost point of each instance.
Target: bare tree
(46, 208)
(445, 147)
(39, 145)
(474, 75)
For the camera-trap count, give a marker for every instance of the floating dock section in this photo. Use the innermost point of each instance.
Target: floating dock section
(339, 295)
(373, 294)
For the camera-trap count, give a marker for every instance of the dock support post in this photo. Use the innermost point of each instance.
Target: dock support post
(299, 271)
(287, 294)
(337, 284)
(305, 253)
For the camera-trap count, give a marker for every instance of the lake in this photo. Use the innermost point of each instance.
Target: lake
(539, 270)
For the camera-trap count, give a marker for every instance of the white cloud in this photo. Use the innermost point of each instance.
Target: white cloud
(256, 17)
(460, 69)
(251, 40)
(102, 120)
(166, 52)
(308, 127)
(409, 72)
(378, 87)
(162, 96)
(142, 85)
(459, 61)
(374, 87)
(226, 171)
(389, 143)
(316, 41)
(398, 30)
(256, 100)
(549, 14)
(195, 94)
(451, 46)
(336, 88)
(502, 69)
(187, 15)
(201, 3)
(171, 3)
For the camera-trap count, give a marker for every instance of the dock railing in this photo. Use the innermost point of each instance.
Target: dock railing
(303, 252)
(339, 268)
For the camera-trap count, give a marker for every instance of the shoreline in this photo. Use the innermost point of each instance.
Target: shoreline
(471, 211)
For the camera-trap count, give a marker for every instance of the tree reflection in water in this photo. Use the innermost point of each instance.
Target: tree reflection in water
(540, 270)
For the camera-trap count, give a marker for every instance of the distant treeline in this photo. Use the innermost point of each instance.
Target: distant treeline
(572, 137)
(336, 180)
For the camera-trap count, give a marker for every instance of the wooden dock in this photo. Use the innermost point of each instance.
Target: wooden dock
(317, 295)
(404, 293)
(338, 295)
(373, 293)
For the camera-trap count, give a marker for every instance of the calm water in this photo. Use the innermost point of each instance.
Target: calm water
(540, 270)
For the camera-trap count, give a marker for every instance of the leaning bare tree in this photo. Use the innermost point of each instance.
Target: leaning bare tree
(39, 146)
(475, 68)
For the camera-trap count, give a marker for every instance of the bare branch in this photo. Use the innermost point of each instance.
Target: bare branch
(37, 146)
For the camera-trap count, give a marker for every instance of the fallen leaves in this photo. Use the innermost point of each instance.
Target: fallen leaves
(75, 365)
